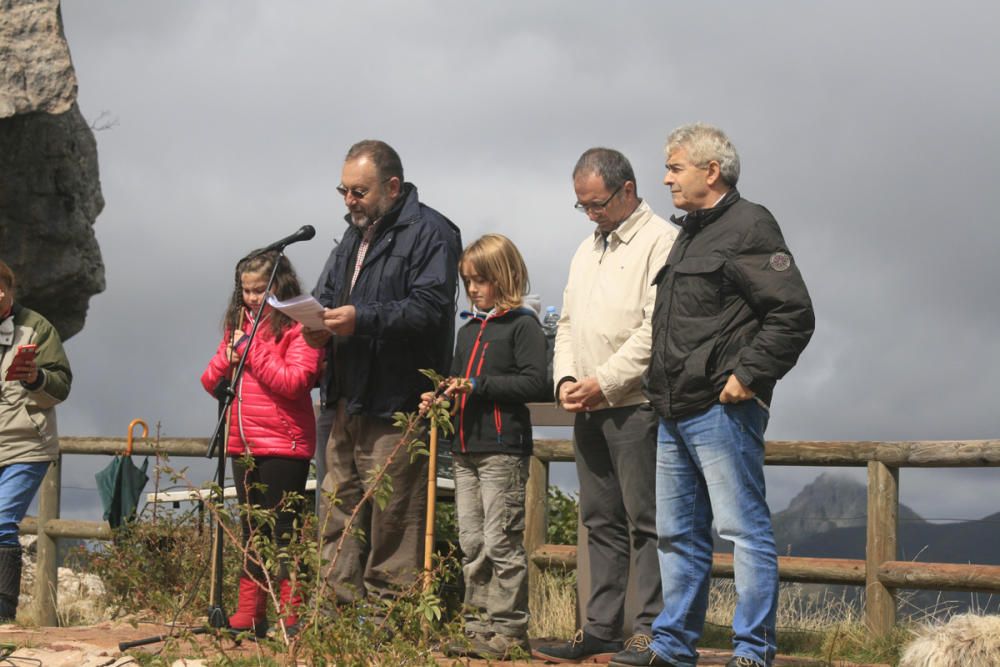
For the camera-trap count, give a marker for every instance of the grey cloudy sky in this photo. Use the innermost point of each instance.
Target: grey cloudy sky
(869, 130)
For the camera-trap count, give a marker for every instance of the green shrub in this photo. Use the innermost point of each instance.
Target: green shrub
(563, 517)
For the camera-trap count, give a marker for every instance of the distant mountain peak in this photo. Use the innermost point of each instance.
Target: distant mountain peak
(830, 501)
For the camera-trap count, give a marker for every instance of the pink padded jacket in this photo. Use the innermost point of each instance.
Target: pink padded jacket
(272, 413)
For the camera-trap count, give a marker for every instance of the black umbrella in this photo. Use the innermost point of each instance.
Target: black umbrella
(122, 482)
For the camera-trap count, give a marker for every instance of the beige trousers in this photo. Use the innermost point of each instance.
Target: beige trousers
(391, 554)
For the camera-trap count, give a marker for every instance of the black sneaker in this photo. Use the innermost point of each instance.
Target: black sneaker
(582, 647)
(743, 661)
(638, 651)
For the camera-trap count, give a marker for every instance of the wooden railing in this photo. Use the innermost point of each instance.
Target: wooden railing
(881, 573)
(50, 528)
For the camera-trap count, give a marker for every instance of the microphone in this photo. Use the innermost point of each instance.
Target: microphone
(305, 233)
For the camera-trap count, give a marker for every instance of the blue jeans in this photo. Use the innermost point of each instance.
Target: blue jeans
(711, 465)
(18, 484)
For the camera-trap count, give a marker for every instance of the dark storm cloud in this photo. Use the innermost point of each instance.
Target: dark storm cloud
(869, 129)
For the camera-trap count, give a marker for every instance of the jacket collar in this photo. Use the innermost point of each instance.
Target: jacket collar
(630, 226)
(695, 221)
(476, 314)
(7, 327)
(402, 212)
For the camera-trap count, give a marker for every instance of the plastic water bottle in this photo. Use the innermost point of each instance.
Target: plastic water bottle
(551, 321)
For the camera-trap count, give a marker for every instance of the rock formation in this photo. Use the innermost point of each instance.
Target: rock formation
(80, 597)
(50, 192)
(829, 502)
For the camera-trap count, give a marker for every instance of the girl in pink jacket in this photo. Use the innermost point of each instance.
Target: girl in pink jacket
(271, 418)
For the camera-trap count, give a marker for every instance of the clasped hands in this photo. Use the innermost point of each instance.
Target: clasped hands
(580, 396)
(585, 395)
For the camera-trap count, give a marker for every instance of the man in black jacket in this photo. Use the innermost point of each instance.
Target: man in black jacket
(732, 316)
(390, 294)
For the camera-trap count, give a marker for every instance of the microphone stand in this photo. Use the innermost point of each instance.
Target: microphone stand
(217, 617)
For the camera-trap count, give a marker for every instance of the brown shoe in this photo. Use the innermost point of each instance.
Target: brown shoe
(461, 647)
(499, 647)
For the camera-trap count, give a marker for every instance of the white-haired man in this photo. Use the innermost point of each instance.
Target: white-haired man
(732, 317)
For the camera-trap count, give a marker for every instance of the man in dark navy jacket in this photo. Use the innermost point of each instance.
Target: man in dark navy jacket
(389, 292)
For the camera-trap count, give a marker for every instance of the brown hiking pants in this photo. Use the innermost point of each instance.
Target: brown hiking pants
(390, 556)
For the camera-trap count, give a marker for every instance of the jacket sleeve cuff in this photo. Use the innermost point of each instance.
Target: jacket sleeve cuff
(364, 321)
(744, 376)
(611, 389)
(37, 384)
(567, 378)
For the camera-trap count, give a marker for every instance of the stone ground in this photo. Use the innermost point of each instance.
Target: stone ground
(97, 646)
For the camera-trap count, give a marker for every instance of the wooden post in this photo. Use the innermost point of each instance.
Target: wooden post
(46, 571)
(431, 499)
(881, 546)
(536, 501)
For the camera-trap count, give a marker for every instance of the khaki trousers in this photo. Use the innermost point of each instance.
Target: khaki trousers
(489, 498)
(391, 554)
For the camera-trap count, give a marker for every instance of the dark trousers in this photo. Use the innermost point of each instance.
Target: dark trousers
(616, 464)
(278, 476)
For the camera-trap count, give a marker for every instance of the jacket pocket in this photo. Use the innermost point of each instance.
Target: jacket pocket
(498, 422)
(695, 379)
(697, 288)
(388, 281)
(20, 424)
(513, 494)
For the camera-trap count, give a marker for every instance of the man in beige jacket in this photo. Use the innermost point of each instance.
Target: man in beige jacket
(602, 349)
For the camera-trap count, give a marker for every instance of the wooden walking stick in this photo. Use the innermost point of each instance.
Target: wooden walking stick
(431, 498)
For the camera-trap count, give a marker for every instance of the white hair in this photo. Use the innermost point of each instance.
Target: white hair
(704, 144)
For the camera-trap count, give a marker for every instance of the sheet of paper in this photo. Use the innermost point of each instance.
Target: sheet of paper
(302, 308)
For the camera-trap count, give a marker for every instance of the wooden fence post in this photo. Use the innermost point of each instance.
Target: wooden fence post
(536, 500)
(46, 571)
(881, 546)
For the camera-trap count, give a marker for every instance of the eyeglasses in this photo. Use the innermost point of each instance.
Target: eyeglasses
(596, 208)
(357, 193)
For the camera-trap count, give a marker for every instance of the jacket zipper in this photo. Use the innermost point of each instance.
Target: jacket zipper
(482, 358)
(670, 310)
(239, 414)
(496, 407)
(498, 421)
(465, 397)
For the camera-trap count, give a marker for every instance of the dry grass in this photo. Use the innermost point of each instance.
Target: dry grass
(817, 621)
(552, 601)
(800, 607)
